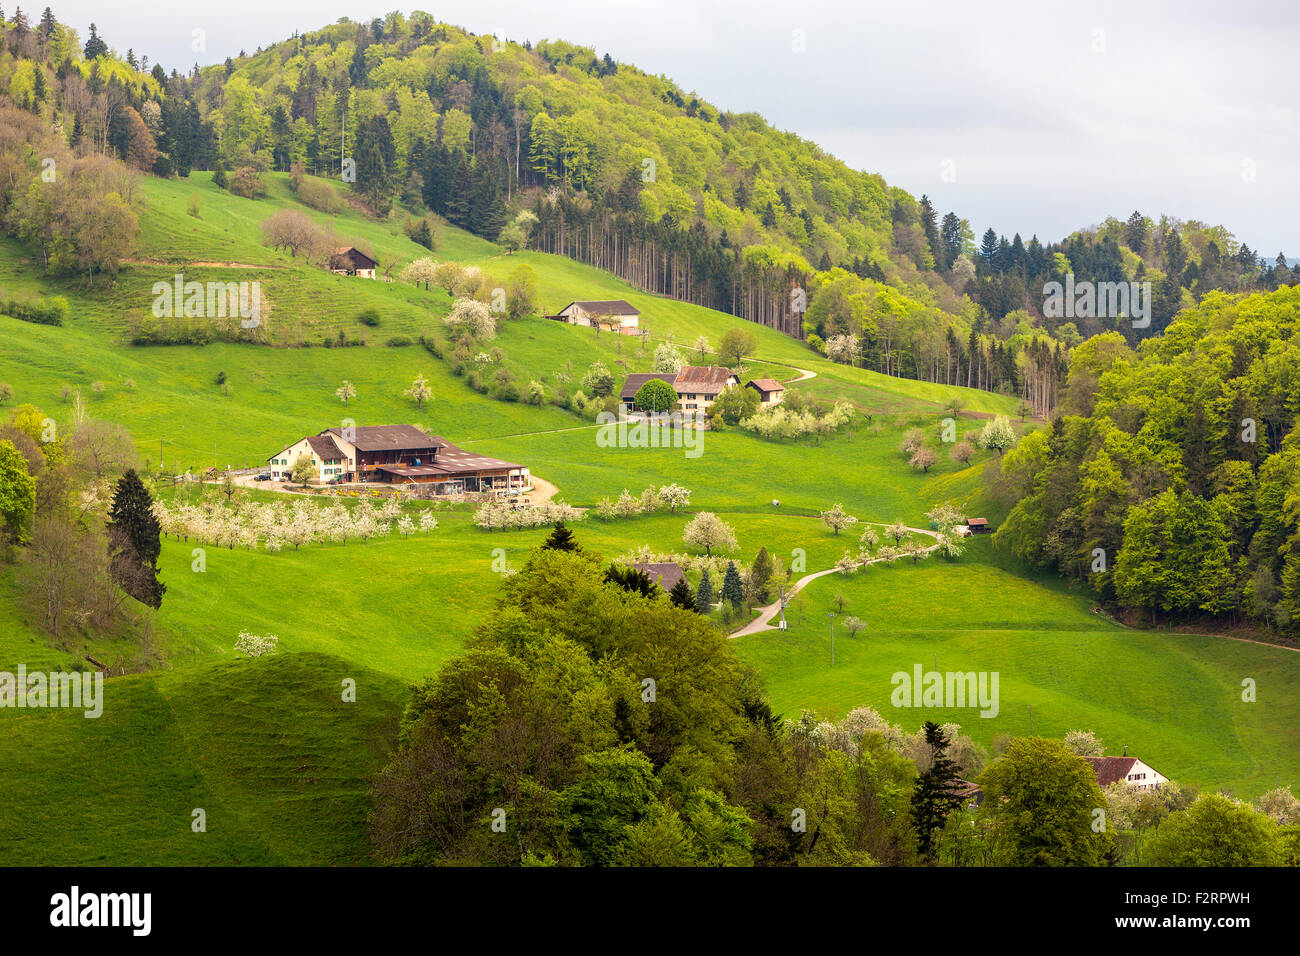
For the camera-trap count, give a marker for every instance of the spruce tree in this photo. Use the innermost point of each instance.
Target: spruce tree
(135, 541)
(762, 572)
(932, 794)
(732, 589)
(681, 596)
(561, 539)
(704, 596)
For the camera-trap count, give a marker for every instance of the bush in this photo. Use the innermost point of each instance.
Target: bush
(509, 392)
(369, 316)
(398, 341)
(51, 311)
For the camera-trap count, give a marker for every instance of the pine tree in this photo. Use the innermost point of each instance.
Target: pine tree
(561, 539)
(932, 794)
(704, 596)
(732, 589)
(135, 541)
(681, 596)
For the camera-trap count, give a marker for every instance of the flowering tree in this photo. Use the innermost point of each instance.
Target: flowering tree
(255, 645)
(837, 520)
(471, 317)
(706, 530)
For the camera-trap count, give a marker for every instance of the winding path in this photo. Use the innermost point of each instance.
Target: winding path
(763, 621)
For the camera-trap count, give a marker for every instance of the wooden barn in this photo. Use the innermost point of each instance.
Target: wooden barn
(351, 261)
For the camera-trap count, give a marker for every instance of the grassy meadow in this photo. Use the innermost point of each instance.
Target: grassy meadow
(268, 749)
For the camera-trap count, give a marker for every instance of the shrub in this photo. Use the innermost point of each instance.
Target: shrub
(398, 341)
(369, 316)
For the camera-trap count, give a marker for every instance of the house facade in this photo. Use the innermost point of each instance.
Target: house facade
(770, 391)
(698, 386)
(618, 314)
(401, 454)
(1131, 770)
(331, 462)
(351, 261)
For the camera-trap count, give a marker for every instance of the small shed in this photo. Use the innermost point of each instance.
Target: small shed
(979, 526)
(770, 391)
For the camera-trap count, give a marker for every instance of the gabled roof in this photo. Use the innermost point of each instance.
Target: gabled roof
(1111, 769)
(634, 382)
(708, 379)
(766, 384)
(381, 437)
(324, 447)
(348, 251)
(605, 306)
(665, 574)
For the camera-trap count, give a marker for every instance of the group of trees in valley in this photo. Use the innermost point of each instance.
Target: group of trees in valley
(596, 721)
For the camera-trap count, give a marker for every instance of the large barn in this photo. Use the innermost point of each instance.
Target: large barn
(401, 454)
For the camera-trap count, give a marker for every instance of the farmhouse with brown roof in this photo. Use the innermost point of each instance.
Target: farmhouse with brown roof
(351, 261)
(1131, 770)
(400, 454)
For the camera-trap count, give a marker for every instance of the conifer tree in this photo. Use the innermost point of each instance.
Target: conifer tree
(704, 596)
(681, 596)
(561, 539)
(732, 589)
(932, 794)
(135, 541)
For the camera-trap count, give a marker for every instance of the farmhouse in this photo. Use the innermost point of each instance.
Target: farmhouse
(401, 454)
(770, 391)
(633, 385)
(1129, 769)
(616, 314)
(665, 574)
(351, 261)
(699, 385)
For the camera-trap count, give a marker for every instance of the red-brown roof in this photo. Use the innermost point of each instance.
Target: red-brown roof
(665, 574)
(1111, 769)
(977, 522)
(766, 384)
(706, 379)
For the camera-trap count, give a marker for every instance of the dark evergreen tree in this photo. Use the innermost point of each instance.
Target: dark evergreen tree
(630, 579)
(933, 796)
(95, 47)
(732, 589)
(704, 596)
(561, 539)
(135, 541)
(681, 596)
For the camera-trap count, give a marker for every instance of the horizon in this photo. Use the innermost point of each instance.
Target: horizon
(990, 146)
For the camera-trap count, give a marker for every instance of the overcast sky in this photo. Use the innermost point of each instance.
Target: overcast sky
(1031, 117)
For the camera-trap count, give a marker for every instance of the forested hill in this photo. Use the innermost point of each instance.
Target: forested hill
(622, 170)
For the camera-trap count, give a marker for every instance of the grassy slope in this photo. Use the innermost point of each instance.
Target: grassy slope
(1172, 699)
(263, 747)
